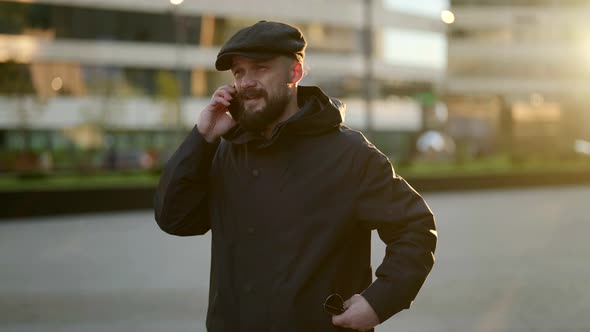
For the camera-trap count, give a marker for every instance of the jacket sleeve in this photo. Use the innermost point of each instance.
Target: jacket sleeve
(406, 224)
(181, 198)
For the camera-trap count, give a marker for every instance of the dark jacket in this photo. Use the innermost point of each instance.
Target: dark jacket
(291, 220)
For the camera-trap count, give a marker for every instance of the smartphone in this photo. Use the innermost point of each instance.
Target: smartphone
(234, 107)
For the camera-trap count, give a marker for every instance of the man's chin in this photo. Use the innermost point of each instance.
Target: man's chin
(254, 105)
(253, 110)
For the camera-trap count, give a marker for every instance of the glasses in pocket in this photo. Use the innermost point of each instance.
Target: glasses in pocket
(334, 304)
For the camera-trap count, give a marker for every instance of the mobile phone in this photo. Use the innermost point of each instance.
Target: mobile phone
(235, 107)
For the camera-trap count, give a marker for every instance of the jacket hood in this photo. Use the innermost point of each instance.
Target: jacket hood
(318, 113)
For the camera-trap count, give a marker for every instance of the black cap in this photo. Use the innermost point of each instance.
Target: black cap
(263, 40)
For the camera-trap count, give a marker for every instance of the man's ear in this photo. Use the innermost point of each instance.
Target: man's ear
(296, 72)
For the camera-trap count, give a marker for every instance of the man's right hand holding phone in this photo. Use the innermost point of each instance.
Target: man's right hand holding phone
(214, 120)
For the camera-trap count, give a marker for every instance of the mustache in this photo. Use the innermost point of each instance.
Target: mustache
(251, 93)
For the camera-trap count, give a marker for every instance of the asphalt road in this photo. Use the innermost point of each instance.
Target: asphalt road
(507, 261)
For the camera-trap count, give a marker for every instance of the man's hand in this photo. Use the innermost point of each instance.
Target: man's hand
(358, 315)
(214, 120)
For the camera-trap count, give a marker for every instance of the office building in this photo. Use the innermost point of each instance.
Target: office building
(133, 74)
(520, 69)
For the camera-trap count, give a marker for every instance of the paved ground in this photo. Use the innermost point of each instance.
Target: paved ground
(507, 261)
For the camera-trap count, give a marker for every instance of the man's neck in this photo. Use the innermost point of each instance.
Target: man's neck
(291, 109)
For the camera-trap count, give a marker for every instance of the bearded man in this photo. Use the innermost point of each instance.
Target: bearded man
(291, 196)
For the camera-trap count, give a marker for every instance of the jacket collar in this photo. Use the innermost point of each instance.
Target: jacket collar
(318, 114)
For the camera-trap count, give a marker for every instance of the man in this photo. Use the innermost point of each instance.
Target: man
(291, 196)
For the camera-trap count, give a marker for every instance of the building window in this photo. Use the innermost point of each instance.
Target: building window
(413, 48)
(69, 22)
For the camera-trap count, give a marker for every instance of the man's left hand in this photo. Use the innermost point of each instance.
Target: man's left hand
(358, 315)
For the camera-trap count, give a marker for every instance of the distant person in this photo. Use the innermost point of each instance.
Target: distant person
(291, 196)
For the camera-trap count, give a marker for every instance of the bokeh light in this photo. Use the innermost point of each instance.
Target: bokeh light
(447, 16)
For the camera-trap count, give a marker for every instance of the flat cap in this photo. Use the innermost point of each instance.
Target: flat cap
(263, 40)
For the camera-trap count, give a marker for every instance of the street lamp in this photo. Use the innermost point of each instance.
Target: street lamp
(369, 78)
(179, 36)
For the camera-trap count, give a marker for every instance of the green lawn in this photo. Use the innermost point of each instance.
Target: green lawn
(490, 166)
(72, 181)
(419, 169)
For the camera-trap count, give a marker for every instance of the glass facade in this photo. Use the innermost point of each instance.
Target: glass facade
(514, 33)
(18, 79)
(130, 82)
(531, 56)
(431, 8)
(15, 79)
(421, 49)
(111, 107)
(411, 47)
(497, 68)
(69, 22)
(520, 3)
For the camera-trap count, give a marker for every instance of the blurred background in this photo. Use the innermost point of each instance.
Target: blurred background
(100, 87)
(95, 96)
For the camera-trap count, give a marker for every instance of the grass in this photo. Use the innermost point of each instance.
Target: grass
(494, 166)
(498, 165)
(78, 181)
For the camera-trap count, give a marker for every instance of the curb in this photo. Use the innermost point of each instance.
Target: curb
(34, 203)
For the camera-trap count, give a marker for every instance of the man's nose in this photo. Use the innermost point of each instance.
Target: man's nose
(247, 82)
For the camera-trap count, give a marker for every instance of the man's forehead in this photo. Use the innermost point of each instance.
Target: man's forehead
(238, 60)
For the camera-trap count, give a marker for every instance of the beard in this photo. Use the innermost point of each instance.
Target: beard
(254, 119)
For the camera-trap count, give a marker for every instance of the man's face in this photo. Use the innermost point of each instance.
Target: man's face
(263, 90)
